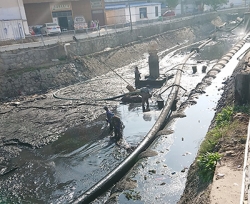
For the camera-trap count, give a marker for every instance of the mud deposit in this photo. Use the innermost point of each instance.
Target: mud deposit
(37, 120)
(29, 123)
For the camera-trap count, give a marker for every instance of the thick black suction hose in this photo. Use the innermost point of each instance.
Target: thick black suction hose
(117, 173)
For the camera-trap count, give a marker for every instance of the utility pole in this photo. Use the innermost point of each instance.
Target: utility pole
(182, 7)
(130, 16)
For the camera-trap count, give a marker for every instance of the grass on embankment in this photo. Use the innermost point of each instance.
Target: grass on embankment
(224, 129)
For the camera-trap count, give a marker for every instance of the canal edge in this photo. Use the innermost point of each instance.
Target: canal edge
(245, 173)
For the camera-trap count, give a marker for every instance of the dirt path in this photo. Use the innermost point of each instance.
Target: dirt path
(226, 187)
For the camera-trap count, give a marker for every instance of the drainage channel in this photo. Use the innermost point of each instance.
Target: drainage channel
(66, 168)
(210, 120)
(161, 178)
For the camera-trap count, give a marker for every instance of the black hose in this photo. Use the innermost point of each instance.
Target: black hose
(231, 29)
(117, 173)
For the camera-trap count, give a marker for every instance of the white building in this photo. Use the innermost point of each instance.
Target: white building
(121, 13)
(13, 22)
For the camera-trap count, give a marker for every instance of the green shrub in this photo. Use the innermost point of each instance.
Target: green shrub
(242, 109)
(207, 163)
(223, 120)
(207, 160)
(225, 116)
(212, 138)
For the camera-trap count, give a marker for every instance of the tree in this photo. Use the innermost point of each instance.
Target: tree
(215, 4)
(172, 3)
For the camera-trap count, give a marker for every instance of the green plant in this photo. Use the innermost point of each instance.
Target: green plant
(224, 117)
(243, 109)
(212, 139)
(207, 163)
(224, 125)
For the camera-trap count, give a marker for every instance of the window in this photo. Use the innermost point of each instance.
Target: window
(143, 12)
(156, 11)
(61, 14)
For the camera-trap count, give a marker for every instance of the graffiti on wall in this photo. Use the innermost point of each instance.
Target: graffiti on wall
(11, 30)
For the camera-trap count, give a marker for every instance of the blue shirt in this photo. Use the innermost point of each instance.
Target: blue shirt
(109, 115)
(144, 90)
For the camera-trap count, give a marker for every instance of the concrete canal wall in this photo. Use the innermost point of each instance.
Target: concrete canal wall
(36, 70)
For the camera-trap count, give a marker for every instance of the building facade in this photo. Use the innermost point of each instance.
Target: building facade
(63, 12)
(122, 13)
(13, 22)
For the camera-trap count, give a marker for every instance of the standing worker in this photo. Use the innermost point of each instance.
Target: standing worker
(137, 77)
(109, 115)
(118, 126)
(144, 92)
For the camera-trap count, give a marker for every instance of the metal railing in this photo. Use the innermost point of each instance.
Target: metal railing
(69, 35)
(66, 36)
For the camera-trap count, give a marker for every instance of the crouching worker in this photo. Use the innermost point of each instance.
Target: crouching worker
(109, 116)
(118, 127)
(144, 92)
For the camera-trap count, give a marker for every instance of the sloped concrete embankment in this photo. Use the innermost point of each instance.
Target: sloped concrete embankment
(36, 70)
(24, 79)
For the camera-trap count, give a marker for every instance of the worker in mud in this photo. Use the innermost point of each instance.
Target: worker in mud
(137, 77)
(145, 94)
(118, 127)
(109, 116)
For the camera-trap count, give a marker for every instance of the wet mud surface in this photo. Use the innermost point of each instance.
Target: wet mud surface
(163, 177)
(37, 120)
(45, 129)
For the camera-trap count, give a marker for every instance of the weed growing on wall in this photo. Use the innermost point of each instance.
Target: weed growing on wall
(225, 116)
(212, 138)
(208, 150)
(207, 163)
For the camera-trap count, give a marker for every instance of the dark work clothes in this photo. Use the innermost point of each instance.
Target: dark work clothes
(118, 125)
(144, 92)
(137, 77)
(109, 119)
